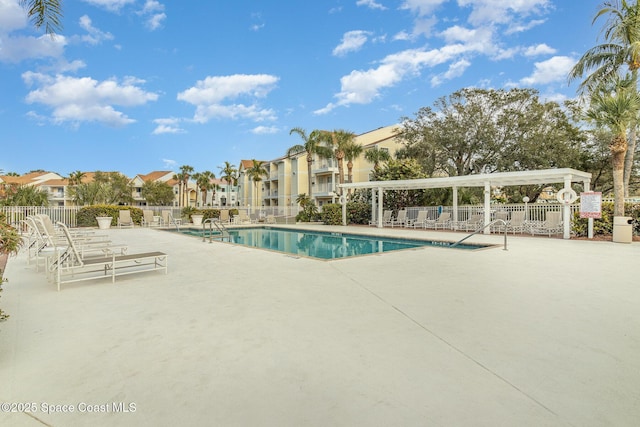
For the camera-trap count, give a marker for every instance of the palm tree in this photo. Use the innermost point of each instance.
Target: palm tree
(203, 181)
(376, 156)
(180, 178)
(606, 61)
(75, 178)
(339, 141)
(352, 151)
(255, 173)
(616, 109)
(186, 171)
(44, 12)
(230, 175)
(313, 145)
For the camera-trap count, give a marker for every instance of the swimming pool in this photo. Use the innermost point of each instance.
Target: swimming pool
(323, 245)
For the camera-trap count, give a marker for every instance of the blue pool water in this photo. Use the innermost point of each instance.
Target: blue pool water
(322, 245)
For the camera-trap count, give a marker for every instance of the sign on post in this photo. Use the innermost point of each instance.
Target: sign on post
(591, 204)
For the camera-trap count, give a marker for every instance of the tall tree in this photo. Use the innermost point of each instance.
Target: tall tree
(352, 151)
(157, 193)
(376, 156)
(339, 140)
(44, 13)
(614, 108)
(313, 145)
(179, 177)
(186, 171)
(255, 173)
(75, 177)
(230, 176)
(606, 62)
(203, 181)
(484, 131)
(25, 195)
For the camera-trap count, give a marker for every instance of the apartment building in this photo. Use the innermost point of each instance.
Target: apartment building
(287, 176)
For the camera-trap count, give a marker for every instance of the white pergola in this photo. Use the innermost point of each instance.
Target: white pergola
(499, 179)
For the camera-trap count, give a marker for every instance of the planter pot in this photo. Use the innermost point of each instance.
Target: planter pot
(197, 219)
(104, 222)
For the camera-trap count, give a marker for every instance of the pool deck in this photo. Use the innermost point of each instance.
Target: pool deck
(544, 334)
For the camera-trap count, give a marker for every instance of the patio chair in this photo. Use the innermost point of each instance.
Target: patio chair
(149, 219)
(400, 219)
(473, 223)
(124, 218)
(551, 225)
(271, 219)
(168, 219)
(517, 223)
(242, 218)
(225, 218)
(386, 219)
(420, 221)
(499, 226)
(443, 221)
(69, 265)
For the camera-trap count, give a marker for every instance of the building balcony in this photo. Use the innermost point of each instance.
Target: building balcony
(323, 169)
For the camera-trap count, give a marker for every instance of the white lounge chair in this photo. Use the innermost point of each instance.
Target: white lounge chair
(443, 221)
(149, 219)
(225, 218)
(400, 220)
(70, 266)
(420, 221)
(517, 223)
(551, 225)
(168, 219)
(473, 223)
(124, 218)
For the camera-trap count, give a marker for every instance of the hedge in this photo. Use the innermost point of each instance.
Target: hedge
(86, 216)
(604, 225)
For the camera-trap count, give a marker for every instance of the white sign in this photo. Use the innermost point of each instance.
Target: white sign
(591, 205)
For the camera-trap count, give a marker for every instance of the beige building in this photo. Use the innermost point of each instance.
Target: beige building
(287, 176)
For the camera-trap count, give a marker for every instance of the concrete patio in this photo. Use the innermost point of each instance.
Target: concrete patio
(544, 334)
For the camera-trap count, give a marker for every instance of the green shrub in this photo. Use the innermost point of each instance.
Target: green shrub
(604, 225)
(358, 213)
(87, 215)
(332, 214)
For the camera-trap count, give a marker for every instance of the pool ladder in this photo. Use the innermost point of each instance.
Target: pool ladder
(219, 226)
(495, 221)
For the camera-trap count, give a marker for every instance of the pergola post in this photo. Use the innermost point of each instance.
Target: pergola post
(373, 205)
(566, 211)
(455, 205)
(587, 186)
(380, 200)
(487, 206)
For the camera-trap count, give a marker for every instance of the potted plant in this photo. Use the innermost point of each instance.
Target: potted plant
(10, 243)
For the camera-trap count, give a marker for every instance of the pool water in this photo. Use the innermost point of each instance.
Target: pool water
(323, 245)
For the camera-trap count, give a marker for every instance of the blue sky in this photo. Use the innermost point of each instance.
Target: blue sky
(142, 85)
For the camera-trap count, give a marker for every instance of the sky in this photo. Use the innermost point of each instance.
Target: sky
(137, 86)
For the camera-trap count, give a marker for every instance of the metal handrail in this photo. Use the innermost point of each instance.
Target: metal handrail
(219, 226)
(482, 229)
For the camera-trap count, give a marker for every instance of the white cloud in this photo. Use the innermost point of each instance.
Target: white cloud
(362, 87)
(422, 7)
(540, 49)
(351, 41)
(95, 36)
(153, 11)
(16, 49)
(371, 4)
(552, 70)
(169, 164)
(265, 130)
(84, 99)
(208, 96)
(111, 5)
(12, 16)
(455, 70)
(167, 125)
(501, 11)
